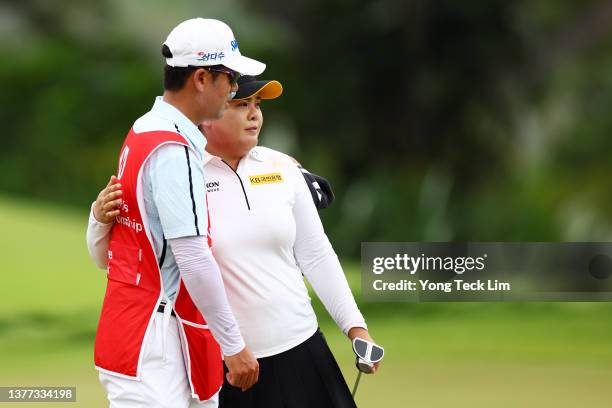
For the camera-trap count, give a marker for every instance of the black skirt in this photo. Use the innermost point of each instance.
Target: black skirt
(305, 376)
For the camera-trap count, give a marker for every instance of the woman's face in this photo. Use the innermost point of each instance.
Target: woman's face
(236, 132)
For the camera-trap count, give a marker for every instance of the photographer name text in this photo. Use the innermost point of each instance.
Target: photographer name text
(457, 285)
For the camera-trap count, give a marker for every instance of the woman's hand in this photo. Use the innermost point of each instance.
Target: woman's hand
(106, 207)
(363, 334)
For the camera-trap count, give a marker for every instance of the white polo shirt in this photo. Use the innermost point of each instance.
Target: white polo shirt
(266, 233)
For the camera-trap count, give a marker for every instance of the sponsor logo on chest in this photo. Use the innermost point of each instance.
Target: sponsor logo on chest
(212, 186)
(269, 178)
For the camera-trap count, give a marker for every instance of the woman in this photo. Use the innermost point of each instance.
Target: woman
(266, 235)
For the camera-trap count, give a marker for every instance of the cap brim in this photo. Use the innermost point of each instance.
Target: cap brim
(263, 88)
(244, 65)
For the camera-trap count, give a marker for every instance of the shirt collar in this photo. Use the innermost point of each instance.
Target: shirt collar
(184, 126)
(255, 153)
(207, 157)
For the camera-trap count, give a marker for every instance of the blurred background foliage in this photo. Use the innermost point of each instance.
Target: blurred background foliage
(434, 120)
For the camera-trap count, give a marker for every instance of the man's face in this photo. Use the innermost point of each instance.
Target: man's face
(216, 93)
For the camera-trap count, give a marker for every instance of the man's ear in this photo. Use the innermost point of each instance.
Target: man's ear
(200, 78)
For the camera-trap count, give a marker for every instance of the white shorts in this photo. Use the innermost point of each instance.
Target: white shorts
(163, 381)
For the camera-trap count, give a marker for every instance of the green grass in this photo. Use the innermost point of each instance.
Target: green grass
(437, 355)
(47, 268)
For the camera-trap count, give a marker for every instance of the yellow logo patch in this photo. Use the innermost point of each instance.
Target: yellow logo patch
(266, 179)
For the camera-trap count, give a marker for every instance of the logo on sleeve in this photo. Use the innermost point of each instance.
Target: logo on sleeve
(265, 179)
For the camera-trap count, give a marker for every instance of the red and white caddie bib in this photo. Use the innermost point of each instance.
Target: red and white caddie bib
(134, 287)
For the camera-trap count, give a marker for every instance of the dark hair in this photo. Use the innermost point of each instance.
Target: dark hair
(175, 77)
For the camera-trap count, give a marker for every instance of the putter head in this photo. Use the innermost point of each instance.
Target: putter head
(367, 352)
(363, 365)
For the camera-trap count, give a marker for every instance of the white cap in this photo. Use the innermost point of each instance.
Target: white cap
(203, 42)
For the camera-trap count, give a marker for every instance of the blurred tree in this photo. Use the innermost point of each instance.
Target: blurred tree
(70, 90)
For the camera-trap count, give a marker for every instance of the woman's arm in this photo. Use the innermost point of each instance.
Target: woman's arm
(319, 263)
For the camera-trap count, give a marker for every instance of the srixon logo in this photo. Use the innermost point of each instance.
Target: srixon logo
(212, 186)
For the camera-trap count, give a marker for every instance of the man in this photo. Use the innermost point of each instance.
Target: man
(164, 292)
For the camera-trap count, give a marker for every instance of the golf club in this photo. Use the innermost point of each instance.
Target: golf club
(367, 353)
